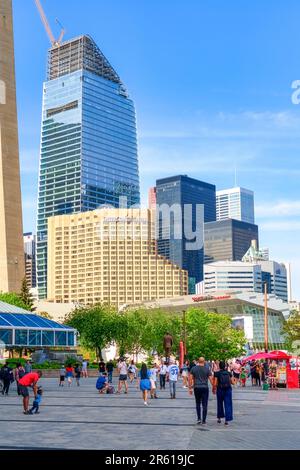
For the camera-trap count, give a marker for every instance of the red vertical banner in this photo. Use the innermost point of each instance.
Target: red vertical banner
(181, 354)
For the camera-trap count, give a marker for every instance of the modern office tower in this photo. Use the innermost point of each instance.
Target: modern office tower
(30, 260)
(176, 192)
(89, 142)
(276, 276)
(152, 199)
(228, 240)
(235, 203)
(232, 276)
(109, 255)
(11, 242)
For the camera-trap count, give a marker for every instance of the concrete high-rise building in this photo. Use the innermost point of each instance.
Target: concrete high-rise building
(232, 276)
(228, 240)
(89, 140)
(152, 199)
(11, 231)
(109, 255)
(30, 259)
(235, 203)
(175, 193)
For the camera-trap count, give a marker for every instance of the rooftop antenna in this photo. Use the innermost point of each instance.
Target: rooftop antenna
(54, 42)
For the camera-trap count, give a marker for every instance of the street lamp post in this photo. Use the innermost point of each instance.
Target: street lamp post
(266, 318)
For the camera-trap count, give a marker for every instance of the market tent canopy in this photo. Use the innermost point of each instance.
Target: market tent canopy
(258, 356)
(280, 355)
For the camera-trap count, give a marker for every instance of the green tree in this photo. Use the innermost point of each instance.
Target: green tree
(291, 330)
(212, 336)
(13, 299)
(97, 326)
(25, 295)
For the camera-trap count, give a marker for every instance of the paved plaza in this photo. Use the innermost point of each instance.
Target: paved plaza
(80, 418)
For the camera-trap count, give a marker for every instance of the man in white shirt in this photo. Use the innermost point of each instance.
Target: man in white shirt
(172, 376)
(123, 371)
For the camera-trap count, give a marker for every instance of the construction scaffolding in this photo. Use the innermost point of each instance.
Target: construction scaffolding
(80, 53)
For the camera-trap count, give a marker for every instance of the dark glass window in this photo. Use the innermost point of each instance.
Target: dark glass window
(60, 338)
(21, 337)
(48, 338)
(6, 336)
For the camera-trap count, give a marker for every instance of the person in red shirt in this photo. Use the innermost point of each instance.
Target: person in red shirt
(29, 380)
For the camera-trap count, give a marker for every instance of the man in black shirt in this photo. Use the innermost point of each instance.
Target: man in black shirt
(199, 377)
(110, 369)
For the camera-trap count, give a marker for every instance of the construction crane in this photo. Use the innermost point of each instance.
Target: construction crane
(54, 42)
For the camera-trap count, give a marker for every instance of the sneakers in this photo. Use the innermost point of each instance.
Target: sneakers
(199, 421)
(145, 403)
(219, 421)
(226, 423)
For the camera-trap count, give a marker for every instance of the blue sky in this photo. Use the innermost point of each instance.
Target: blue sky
(211, 83)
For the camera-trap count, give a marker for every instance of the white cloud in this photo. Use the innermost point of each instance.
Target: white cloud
(279, 209)
(280, 226)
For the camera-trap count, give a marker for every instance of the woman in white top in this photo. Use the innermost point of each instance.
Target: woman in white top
(132, 371)
(162, 375)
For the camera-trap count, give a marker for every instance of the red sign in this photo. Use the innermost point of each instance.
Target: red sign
(203, 298)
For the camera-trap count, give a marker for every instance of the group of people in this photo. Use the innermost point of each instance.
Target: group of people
(25, 379)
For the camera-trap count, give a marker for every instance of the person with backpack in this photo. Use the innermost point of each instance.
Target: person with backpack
(223, 382)
(7, 376)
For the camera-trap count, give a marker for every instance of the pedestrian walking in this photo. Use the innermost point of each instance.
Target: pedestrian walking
(110, 369)
(243, 376)
(28, 367)
(236, 370)
(7, 377)
(77, 372)
(153, 380)
(36, 402)
(198, 381)
(132, 371)
(29, 380)
(62, 375)
(69, 375)
(85, 369)
(162, 375)
(223, 382)
(185, 374)
(123, 376)
(19, 373)
(102, 367)
(145, 384)
(172, 377)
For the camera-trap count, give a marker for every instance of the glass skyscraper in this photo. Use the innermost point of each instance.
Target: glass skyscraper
(88, 151)
(183, 190)
(236, 203)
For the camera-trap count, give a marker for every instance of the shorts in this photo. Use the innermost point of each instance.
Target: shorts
(123, 378)
(24, 391)
(184, 373)
(236, 375)
(62, 378)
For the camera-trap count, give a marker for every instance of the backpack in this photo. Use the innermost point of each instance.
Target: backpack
(224, 381)
(110, 389)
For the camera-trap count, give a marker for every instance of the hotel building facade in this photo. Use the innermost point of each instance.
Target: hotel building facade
(109, 255)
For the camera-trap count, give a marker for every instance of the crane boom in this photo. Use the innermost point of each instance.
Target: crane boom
(45, 22)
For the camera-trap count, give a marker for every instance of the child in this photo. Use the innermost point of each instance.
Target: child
(77, 374)
(243, 377)
(36, 402)
(69, 375)
(62, 374)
